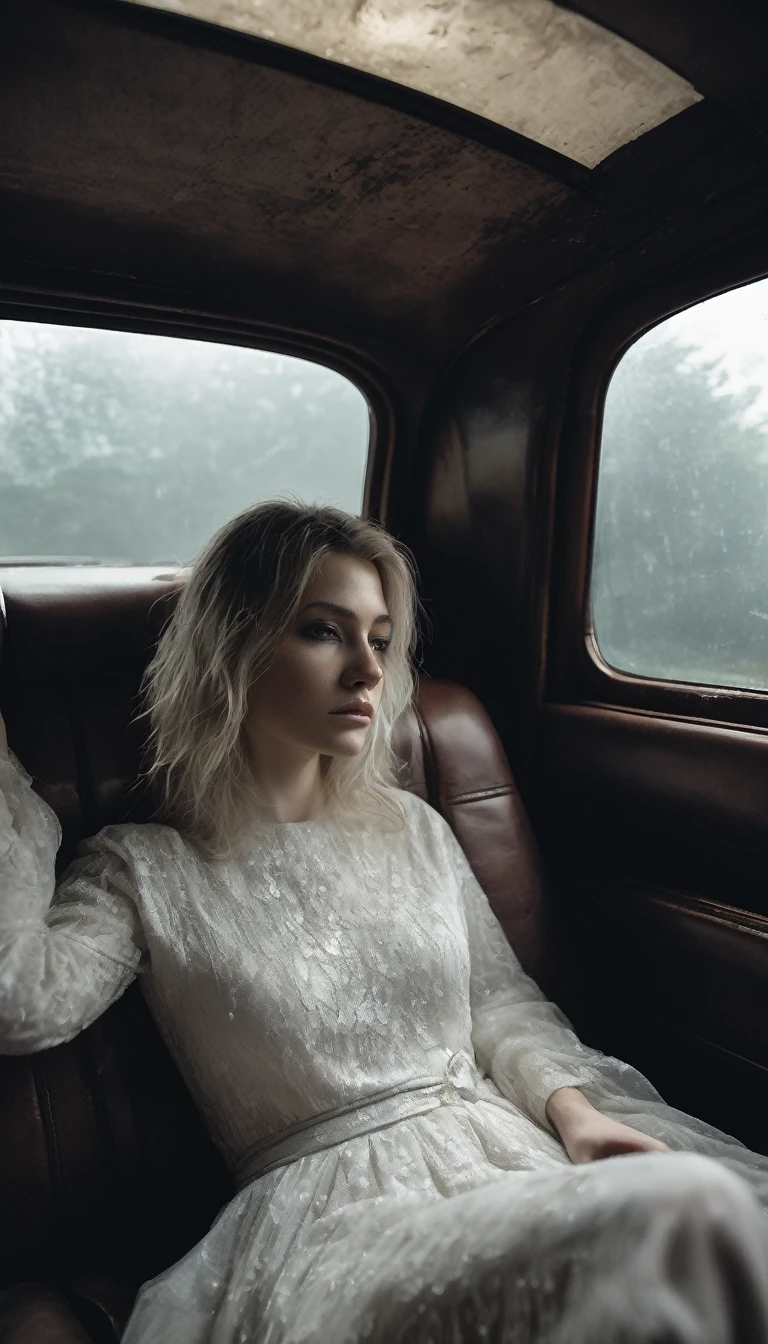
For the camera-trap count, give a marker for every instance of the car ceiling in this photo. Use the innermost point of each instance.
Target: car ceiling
(530, 65)
(165, 162)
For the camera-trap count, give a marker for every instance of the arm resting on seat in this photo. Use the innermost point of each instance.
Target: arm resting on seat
(66, 952)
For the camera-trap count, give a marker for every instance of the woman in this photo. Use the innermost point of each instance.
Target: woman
(412, 1127)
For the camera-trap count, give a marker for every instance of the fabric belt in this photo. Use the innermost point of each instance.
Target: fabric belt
(415, 1097)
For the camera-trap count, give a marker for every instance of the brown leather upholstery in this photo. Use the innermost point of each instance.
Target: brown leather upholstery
(104, 1164)
(34, 1313)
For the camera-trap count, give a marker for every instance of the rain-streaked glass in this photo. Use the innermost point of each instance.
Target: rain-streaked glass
(680, 568)
(128, 448)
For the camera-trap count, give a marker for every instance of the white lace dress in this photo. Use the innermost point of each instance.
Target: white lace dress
(374, 1065)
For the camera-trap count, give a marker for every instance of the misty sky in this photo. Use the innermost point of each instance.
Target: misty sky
(732, 327)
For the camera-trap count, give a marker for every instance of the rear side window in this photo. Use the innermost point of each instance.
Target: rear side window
(133, 449)
(680, 564)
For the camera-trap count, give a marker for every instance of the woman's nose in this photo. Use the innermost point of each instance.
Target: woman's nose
(365, 668)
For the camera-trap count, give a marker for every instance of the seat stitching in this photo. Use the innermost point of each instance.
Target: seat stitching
(475, 795)
(50, 1135)
(431, 772)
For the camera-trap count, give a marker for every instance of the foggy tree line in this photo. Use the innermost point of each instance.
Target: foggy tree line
(680, 574)
(105, 453)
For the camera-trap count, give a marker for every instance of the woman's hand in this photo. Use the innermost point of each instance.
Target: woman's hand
(588, 1135)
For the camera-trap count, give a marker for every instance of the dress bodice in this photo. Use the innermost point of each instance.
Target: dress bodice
(318, 967)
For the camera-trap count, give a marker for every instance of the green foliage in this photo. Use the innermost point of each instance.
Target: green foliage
(681, 550)
(137, 448)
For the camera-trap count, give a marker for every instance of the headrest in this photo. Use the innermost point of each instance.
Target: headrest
(66, 623)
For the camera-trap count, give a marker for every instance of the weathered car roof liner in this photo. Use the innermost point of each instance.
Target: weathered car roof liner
(530, 65)
(142, 153)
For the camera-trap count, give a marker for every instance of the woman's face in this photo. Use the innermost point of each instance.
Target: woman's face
(334, 654)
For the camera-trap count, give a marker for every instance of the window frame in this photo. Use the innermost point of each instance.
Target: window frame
(576, 671)
(116, 315)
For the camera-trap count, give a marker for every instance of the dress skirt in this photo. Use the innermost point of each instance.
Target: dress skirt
(470, 1223)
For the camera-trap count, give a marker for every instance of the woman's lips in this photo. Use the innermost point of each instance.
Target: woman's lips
(362, 719)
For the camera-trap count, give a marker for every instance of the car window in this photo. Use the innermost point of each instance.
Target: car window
(680, 566)
(128, 448)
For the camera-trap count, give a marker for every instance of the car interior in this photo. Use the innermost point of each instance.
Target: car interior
(534, 243)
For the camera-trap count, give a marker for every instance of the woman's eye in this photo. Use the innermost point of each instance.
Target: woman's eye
(318, 630)
(321, 632)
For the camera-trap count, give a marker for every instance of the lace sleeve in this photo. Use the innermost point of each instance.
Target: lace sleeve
(66, 952)
(521, 1040)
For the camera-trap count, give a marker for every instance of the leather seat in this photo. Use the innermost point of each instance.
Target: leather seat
(106, 1172)
(33, 1313)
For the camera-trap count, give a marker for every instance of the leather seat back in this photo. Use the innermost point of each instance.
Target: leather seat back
(105, 1163)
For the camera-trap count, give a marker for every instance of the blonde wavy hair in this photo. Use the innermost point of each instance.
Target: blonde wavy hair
(240, 598)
